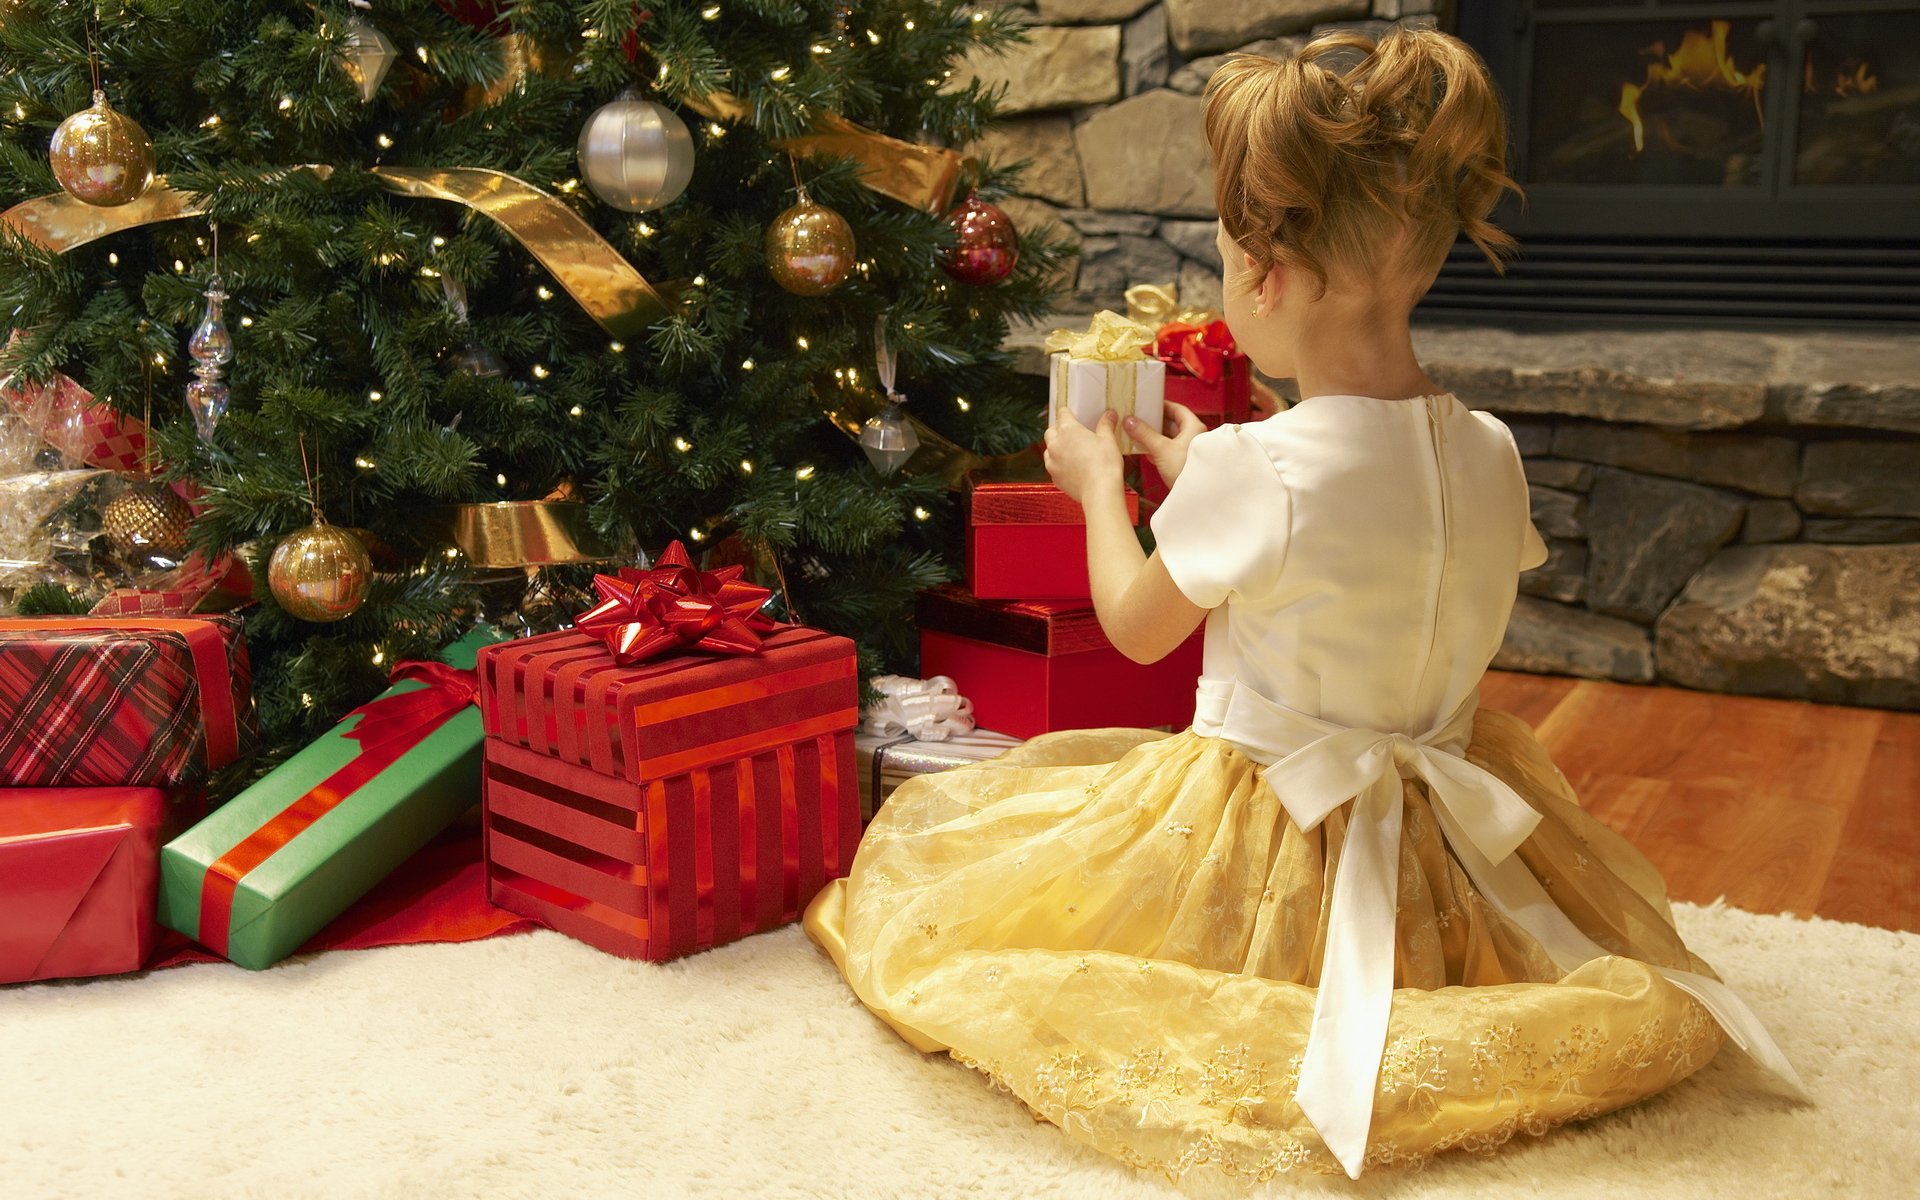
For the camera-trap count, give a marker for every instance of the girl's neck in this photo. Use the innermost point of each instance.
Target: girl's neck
(1346, 353)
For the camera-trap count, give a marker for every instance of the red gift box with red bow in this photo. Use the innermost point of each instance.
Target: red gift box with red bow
(1207, 373)
(674, 773)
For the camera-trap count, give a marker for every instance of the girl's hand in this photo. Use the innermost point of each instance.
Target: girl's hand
(1082, 461)
(1168, 450)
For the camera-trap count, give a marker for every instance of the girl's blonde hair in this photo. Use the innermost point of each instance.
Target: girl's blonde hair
(1322, 167)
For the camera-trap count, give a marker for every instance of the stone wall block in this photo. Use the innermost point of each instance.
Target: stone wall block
(1095, 223)
(1146, 57)
(1678, 381)
(1556, 639)
(1770, 521)
(1205, 26)
(1559, 473)
(1147, 154)
(1110, 265)
(1193, 239)
(1087, 12)
(1861, 531)
(1834, 623)
(1558, 514)
(1866, 405)
(1768, 466)
(1562, 577)
(1647, 537)
(1061, 66)
(1046, 143)
(1861, 479)
(1199, 286)
(1534, 438)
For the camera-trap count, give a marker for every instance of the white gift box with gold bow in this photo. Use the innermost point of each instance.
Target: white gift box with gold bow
(1106, 367)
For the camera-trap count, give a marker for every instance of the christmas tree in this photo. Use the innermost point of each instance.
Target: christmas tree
(395, 353)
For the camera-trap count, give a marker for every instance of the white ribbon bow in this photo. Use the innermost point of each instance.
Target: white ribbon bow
(928, 710)
(1316, 767)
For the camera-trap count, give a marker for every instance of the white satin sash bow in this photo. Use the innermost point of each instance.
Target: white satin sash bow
(1317, 766)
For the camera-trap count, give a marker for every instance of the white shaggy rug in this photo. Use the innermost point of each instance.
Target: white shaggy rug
(533, 1066)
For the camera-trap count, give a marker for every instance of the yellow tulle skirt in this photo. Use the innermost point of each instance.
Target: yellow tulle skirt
(1124, 930)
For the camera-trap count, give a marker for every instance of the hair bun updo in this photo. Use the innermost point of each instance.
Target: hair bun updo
(1351, 146)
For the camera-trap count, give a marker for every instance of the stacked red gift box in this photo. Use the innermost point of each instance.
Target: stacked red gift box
(1021, 640)
(674, 773)
(113, 726)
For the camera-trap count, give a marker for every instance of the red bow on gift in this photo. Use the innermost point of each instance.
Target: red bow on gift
(1201, 350)
(643, 614)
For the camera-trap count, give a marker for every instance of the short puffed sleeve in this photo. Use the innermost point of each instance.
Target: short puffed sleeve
(1223, 529)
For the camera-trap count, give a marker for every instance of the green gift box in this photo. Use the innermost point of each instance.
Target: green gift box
(268, 869)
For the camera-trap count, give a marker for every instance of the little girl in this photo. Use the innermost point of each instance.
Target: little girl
(1348, 918)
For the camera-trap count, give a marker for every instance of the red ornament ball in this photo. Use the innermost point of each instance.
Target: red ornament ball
(987, 244)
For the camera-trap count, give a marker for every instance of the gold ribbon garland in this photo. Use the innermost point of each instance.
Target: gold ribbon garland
(60, 223)
(593, 272)
(606, 285)
(922, 176)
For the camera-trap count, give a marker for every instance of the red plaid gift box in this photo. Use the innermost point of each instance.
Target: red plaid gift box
(121, 702)
(659, 809)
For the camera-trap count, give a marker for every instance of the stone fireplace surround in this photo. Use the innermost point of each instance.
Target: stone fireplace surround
(1733, 511)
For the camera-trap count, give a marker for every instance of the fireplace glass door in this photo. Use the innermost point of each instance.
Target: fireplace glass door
(1704, 158)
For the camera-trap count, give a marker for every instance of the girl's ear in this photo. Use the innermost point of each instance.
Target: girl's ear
(1271, 287)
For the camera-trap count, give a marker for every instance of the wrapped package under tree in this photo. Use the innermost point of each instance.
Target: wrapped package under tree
(423, 278)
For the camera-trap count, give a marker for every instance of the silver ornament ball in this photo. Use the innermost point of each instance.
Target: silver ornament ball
(636, 155)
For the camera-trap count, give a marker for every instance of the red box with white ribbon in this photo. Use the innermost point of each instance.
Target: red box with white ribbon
(661, 808)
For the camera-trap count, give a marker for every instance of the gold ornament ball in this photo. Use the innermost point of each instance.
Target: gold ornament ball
(810, 249)
(148, 521)
(102, 157)
(319, 573)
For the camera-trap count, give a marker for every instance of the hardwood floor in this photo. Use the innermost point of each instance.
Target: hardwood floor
(1777, 805)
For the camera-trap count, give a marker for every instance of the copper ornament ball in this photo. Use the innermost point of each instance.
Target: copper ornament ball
(319, 573)
(987, 245)
(810, 249)
(102, 157)
(147, 522)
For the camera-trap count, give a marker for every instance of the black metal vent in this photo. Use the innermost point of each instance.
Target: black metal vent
(1689, 282)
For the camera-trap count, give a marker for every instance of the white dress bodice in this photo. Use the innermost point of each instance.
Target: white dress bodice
(1360, 556)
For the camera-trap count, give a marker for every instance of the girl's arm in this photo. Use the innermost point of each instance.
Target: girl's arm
(1143, 613)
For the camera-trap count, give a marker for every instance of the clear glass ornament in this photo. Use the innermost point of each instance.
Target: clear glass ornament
(369, 55)
(889, 439)
(211, 348)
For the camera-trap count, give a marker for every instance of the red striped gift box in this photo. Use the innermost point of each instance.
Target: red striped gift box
(660, 809)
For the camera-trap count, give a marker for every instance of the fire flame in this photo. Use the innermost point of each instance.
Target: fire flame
(1846, 83)
(1700, 62)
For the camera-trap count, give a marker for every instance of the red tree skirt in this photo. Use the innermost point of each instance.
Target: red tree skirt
(438, 895)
